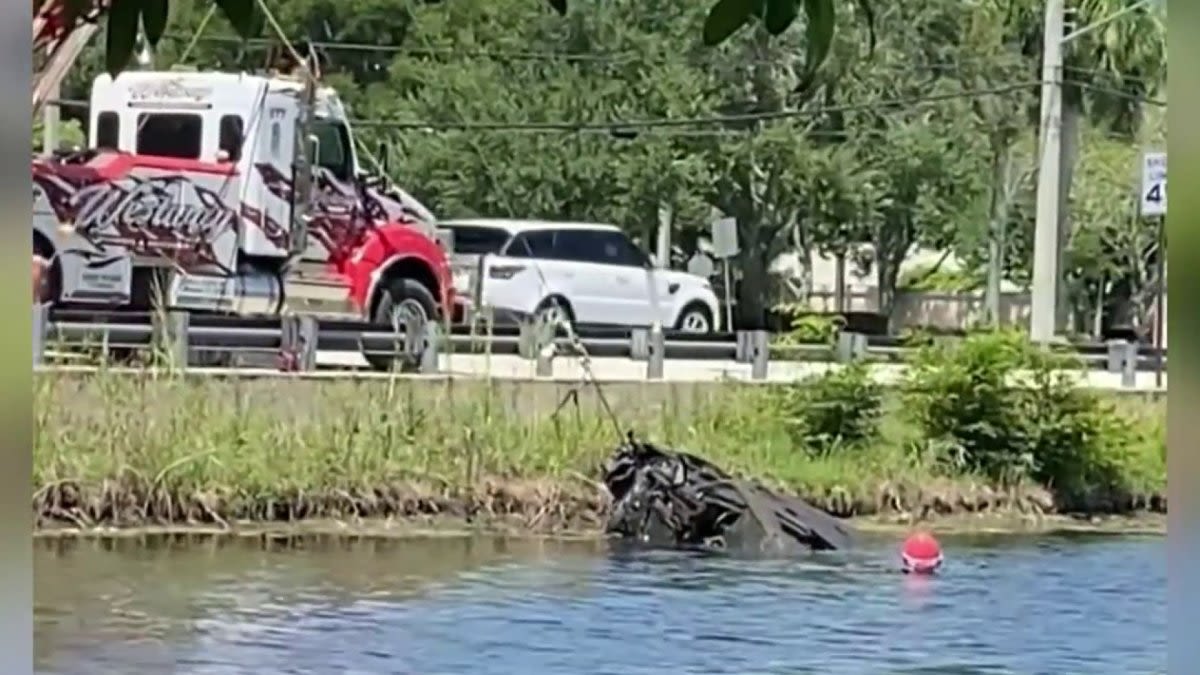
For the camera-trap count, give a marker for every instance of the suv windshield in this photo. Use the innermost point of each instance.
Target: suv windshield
(476, 239)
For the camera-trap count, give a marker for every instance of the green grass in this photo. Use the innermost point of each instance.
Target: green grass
(139, 449)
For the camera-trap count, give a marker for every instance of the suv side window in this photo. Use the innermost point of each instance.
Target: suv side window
(604, 247)
(625, 251)
(575, 246)
(535, 244)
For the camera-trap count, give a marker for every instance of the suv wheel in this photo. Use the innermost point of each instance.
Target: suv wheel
(554, 312)
(695, 319)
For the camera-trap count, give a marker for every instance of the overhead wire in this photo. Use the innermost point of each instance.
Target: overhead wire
(1109, 91)
(195, 39)
(425, 51)
(615, 57)
(619, 125)
(616, 127)
(1082, 74)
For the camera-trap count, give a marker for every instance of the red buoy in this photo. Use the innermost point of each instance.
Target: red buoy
(921, 554)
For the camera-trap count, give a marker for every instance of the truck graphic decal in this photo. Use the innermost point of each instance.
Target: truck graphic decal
(340, 212)
(163, 216)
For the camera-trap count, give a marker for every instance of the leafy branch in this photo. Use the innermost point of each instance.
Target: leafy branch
(725, 18)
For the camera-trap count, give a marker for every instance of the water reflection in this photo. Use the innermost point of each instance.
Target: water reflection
(481, 606)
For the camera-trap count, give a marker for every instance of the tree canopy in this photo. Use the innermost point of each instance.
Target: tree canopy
(917, 129)
(128, 18)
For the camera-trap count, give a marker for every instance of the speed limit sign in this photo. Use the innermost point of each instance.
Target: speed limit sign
(1154, 184)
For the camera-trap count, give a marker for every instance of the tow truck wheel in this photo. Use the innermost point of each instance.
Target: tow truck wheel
(46, 272)
(401, 299)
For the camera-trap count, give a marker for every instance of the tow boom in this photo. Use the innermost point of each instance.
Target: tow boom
(62, 38)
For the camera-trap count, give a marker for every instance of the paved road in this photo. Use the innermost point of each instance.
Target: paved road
(608, 369)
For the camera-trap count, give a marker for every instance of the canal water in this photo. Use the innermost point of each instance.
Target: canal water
(510, 607)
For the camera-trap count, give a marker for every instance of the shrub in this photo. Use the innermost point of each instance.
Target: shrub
(958, 391)
(807, 329)
(1039, 426)
(1082, 447)
(838, 407)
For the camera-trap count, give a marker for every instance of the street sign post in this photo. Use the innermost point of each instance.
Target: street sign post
(1154, 184)
(1153, 204)
(725, 247)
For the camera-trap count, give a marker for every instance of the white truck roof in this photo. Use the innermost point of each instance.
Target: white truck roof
(514, 226)
(174, 89)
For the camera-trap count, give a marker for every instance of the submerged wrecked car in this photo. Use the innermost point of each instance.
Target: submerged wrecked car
(665, 498)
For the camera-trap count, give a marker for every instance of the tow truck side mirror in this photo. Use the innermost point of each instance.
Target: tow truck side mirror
(384, 155)
(314, 152)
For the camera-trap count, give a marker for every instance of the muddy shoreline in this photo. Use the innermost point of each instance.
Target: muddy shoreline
(1144, 523)
(540, 508)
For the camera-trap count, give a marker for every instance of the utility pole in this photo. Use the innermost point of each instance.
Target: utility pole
(1045, 239)
(662, 241)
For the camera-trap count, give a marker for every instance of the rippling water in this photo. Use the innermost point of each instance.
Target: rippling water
(432, 606)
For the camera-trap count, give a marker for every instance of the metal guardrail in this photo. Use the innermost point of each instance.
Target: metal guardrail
(184, 339)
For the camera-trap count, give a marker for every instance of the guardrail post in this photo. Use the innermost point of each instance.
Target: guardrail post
(170, 332)
(544, 358)
(760, 353)
(41, 317)
(657, 346)
(298, 342)
(431, 347)
(527, 346)
(639, 344)
(1129, 366)
(743, 350)
(1116, 355)
(851, 346)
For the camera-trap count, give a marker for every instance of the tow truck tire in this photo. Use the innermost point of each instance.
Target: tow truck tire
(407, 295)
(47, 273)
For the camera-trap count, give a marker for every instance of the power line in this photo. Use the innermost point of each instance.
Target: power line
(613, 58)
(1109, 91)
(547, 56)
(1115, 75)
(595, 57)
(365, 47)
(618, 125)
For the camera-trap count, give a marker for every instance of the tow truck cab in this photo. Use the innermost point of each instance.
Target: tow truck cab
(191, 182)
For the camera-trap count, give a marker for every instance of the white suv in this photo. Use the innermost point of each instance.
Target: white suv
(585, 273)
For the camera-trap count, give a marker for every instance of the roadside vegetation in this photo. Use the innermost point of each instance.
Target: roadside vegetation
(918, 131)
(957, 437)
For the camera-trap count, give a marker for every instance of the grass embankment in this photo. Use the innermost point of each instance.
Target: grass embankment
(121, 450)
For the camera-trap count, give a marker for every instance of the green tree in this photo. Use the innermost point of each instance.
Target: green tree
(70, 134)
(1112, 254)
(128, 18)
(1108, 73)
(921, 169)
